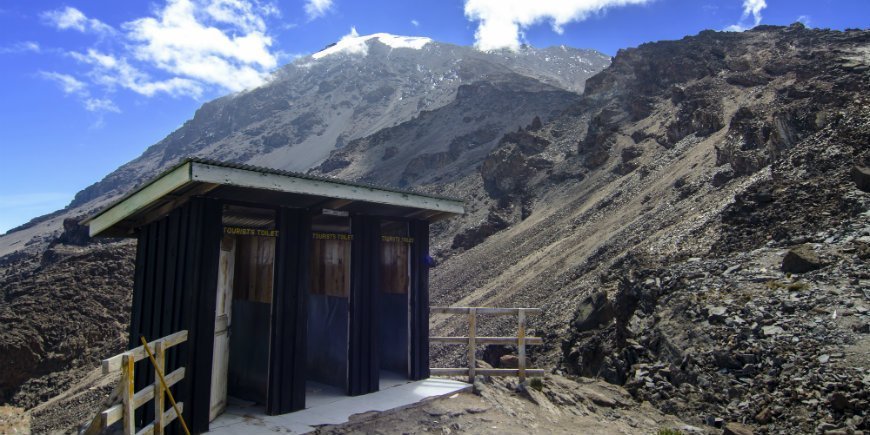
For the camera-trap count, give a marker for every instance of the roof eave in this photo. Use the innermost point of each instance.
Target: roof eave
(109, 221)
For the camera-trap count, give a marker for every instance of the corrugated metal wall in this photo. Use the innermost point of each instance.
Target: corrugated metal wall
(286, 391)
(365, 262)
(419, 352)
(176, 277)
(174, 289)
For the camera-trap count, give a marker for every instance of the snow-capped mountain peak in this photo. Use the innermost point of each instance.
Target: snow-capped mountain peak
(353, 43)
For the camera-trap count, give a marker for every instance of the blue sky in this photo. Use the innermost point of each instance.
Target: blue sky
(87, 85)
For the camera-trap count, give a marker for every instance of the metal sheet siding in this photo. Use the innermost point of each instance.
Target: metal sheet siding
(287, 357)
(176, 275)
(419, 352)
(363, 355)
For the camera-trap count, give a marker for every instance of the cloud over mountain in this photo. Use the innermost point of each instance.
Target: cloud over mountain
(753, 8)
(184, 48)
(501, 22)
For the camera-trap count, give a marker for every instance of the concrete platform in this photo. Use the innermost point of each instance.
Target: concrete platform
(328, 407)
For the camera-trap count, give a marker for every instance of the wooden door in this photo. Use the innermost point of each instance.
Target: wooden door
(222, 322)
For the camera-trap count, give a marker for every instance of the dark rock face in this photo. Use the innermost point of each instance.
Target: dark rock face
(74, 233)
(426, 163)
(595, 148)
(507, 170)
(475, 235)
(801, 259)
(698, 114)
(594, 312)
(861, 177)
(39, 353)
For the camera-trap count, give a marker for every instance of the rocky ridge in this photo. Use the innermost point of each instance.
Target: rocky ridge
(716, 153)
(312, 107)
(651, 219)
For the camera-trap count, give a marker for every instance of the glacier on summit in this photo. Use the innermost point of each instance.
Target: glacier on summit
(353, 43)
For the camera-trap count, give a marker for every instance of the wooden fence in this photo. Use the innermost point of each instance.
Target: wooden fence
(472, 341)
(130, 399)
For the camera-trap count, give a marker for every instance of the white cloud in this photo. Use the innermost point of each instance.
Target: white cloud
(112, 72)
(186, 44)
(73, 86)
(317, 8)
(804, 19)
(72, 18)
(21, 47)
(415, 23)
(501, 22)
(750, 7)
(101, 105)
(183, 48)
(68, 84)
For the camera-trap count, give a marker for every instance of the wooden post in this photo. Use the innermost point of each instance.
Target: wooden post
(127, 394)
(472, 343)
(159, 368)
(521, 345)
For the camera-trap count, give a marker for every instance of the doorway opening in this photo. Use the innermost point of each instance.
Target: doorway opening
(328, 309)
(244, 308)
(394, 302)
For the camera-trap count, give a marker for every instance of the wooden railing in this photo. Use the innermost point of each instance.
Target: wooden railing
(472, 341)
(129, 399)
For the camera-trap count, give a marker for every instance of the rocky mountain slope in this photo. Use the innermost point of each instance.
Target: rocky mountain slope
(653, 220)
(65, 299)
(319, 103)
(695, 226)
(696, 229)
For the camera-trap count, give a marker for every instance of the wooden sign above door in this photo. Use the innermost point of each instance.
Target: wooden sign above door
(240, 231)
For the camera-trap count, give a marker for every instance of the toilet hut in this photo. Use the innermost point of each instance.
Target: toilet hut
(286, 283)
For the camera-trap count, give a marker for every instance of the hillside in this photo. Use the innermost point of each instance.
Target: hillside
(695, 226)
(319, 103)
(65, 299)
(651, 222)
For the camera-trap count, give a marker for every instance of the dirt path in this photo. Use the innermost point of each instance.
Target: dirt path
(559, 406)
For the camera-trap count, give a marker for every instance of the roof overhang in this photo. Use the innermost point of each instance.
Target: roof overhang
(267, 186)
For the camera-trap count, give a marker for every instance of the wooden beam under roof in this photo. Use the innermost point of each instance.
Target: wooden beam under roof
(194, 177)
(308, 186)
(174, 201)
(334, 204)
(141, 199)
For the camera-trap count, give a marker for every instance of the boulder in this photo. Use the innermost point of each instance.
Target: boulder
(764, 416)
(74, 233)
(737, 429)
(801, 259)
(509, 362)
(838, 401)
(493, 353)
(725, 360)
(595, 311)
(861, 177)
